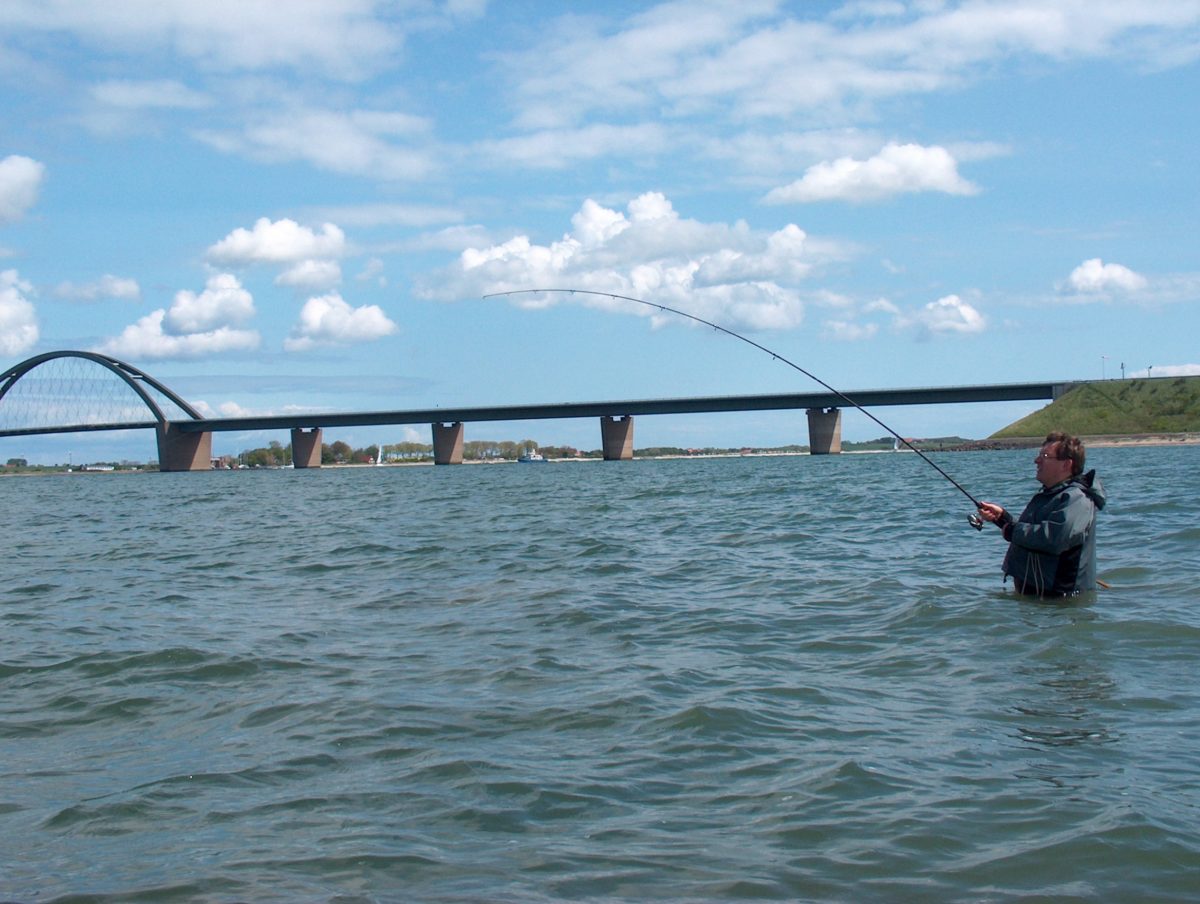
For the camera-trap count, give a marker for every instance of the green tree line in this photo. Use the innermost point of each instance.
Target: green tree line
(278, 455)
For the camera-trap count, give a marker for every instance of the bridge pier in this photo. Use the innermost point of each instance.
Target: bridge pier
(179, 451)
(824, 431)
(616, 437)
(448, 443)
(306, 447)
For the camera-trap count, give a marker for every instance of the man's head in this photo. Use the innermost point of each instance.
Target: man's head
(1060, 458)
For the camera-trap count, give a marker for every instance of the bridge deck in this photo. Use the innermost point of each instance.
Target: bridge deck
(1004, 392)
(870, 398)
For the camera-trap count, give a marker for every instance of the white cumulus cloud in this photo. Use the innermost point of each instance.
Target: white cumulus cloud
(947, 316)
(1096, 277)
(223, 302)
(149, 339)
(196, 325)
(277, 242)
(895, 170)
(330, 320)
(18, 319)
(20, 179)
(728, 273)
(312, 275)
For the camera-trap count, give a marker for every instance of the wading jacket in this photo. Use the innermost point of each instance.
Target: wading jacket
(1052, 546)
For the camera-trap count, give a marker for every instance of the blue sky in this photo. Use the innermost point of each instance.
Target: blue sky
(274, 207)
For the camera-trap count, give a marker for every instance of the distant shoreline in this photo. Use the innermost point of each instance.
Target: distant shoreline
(1143, 439)
(981, 445)
(1095, 442)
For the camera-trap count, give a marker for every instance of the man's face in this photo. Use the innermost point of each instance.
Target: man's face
(1051, 470)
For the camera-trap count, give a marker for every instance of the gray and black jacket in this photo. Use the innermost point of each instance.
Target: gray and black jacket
(1052, 546)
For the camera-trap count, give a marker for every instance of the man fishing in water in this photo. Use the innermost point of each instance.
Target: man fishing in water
(1052, 546)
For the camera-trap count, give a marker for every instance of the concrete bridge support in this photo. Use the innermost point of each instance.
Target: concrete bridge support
(306, 447)
(448, 444)
(179, 451)
(616, 436)
(824, 431)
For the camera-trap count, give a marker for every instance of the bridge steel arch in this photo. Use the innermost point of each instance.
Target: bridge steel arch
(177, 450)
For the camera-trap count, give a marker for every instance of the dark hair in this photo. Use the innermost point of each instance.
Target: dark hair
(1067, 447)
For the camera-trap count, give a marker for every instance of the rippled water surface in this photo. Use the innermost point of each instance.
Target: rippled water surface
(752, 678)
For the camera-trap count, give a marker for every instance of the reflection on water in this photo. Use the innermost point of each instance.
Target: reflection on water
(1066, 713)
(1063, 699)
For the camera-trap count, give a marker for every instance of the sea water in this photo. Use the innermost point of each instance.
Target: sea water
(757, 678)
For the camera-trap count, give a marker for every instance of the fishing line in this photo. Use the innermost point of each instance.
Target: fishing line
(773, 354)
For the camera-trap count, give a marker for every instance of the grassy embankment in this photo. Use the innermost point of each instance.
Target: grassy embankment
(1159, 406)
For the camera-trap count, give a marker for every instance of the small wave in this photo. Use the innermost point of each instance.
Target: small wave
(32, 589)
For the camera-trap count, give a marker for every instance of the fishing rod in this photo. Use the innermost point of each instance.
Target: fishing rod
(976, 522)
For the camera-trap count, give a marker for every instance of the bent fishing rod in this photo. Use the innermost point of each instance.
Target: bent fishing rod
(978, 525)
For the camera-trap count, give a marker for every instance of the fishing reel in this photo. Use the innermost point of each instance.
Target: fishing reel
(975, 520)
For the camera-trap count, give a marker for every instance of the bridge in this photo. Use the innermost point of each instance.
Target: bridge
(77, 391)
